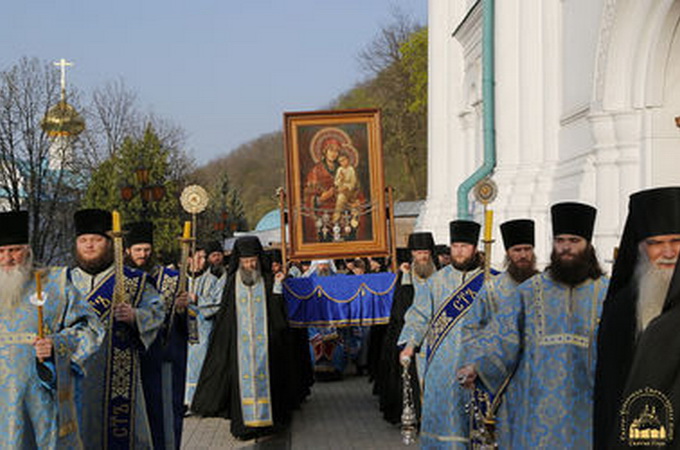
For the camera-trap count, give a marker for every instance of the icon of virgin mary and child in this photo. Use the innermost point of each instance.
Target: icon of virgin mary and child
(334, 205)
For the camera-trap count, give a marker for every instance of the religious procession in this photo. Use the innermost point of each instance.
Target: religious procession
(116, 351)
(476, 247)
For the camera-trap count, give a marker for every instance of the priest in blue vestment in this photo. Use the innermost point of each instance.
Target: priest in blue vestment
(540, 351)
(497, 295)
(164, 363)
(432, 326)
(215, 258)
(205, 297)
(37, 374)
(113, 408)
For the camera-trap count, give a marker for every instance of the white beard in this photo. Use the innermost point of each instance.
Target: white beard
(653, 284)
(12, 285)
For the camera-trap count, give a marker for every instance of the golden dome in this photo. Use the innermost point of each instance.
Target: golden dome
(63, 120)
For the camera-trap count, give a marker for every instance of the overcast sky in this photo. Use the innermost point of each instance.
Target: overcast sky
(224, 70)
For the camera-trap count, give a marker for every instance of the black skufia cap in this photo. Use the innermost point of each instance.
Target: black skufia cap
(92, 221)
(421, 241)
(212, 247)
(464, 231)
(139, 233)
(518, 232)
(14, 228)
(655, 212)
(573, 218)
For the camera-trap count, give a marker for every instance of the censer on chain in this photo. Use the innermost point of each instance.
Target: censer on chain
(482, 423)
(408, 413)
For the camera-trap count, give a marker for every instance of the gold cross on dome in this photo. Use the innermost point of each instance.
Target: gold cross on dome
(62, 63)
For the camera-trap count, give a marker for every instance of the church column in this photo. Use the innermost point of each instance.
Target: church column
(607, 184)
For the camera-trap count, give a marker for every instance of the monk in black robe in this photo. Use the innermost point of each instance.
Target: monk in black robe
(234, 355)
(638, 366)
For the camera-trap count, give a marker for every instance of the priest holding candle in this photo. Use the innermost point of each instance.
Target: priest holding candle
(47, 332)
(132, 311)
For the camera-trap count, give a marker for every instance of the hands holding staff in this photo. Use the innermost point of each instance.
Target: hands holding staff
(124, 312)
(43, 348)
(182, 300)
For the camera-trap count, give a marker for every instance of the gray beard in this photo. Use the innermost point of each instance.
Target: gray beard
(249, 277)
(12, 285)
(424, 270)
(653, 284)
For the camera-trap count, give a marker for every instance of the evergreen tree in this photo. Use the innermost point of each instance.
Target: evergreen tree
(116, 177)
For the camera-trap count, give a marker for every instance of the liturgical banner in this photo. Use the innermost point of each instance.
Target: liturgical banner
(339, 300)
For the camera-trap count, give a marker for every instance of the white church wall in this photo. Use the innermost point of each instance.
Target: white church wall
(665, 141)
(579, 27)
(586, 96)
(445, 129)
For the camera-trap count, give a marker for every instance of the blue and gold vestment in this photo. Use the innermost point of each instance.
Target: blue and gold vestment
(33, 415)
(540, 349)
(113, 408)
(208, 289)
(444, 420)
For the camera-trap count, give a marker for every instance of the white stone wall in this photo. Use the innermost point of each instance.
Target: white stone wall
(586, 95)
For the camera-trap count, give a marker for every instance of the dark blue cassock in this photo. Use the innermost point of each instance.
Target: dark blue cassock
(164, 367)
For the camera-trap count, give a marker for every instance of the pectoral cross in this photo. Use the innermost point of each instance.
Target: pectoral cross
(62, 63)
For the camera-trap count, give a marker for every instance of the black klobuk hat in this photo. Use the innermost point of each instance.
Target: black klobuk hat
(655, 212)
(14, 228)
(573, 218)
(92, 221)
(139, 233)
(421, 241)
(518, 232)
(464, 231)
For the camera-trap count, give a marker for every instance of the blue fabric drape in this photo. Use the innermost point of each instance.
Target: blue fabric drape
(339, 300)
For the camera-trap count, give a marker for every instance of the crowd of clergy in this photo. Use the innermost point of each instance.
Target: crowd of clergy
(566, 357)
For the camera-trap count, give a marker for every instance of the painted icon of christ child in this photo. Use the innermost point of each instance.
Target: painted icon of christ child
(346, 185)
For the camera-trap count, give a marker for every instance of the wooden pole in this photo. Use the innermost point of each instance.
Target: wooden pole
(393, 228)
(38, 291)
(284, 245)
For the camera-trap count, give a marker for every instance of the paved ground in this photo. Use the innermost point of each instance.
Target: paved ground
(338, 415)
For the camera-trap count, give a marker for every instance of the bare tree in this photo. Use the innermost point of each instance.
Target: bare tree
(384, 50)
(30, 176)
(111, 116)
(48, 176)
(392, 91)
(114, 115)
